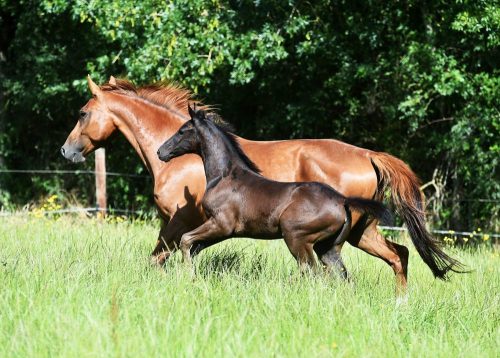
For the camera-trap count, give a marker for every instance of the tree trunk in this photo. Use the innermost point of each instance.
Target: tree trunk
(2, 111)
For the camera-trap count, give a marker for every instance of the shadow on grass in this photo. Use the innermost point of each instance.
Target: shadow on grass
(242, 262)
(249, 264)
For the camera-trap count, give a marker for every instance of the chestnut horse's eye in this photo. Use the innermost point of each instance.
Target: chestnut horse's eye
(83, 114)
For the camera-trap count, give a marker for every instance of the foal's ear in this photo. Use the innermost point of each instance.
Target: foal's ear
(196, 114)
(94, 89)
(112, 80)
(192, 112)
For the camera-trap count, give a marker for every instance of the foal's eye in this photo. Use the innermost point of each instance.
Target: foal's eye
(83, 114)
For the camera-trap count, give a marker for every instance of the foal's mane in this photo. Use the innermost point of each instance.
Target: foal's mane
(226, 130)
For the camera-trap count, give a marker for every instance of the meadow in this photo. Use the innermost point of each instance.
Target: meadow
(79, 287)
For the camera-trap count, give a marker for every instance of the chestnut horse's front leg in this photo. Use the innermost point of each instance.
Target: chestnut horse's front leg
(165, 244)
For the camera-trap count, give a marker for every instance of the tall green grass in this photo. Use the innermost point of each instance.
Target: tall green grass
(84, 288)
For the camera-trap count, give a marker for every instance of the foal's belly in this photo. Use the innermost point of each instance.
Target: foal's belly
(257, 230)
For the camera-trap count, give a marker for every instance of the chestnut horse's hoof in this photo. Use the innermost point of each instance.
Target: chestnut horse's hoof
(158, 260)
(402, 300)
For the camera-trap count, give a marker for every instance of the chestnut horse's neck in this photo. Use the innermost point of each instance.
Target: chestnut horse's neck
(145, 125)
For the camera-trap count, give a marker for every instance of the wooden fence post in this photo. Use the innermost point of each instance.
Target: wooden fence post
(100, 181)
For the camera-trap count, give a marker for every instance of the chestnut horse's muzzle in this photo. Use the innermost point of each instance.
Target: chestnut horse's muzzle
(70, 153)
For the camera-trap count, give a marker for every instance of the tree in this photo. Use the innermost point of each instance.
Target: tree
(417, 79)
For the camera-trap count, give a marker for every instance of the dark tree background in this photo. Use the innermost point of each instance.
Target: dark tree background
(417, 79)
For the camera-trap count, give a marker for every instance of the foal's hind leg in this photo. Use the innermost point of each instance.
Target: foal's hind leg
(328, 249)
(372, 242)
(329, 255)
(301, 247)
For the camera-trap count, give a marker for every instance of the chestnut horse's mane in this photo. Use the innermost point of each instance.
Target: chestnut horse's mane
(164, 94)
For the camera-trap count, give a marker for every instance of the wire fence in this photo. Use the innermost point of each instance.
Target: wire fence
(91, 210)
(75, 172)
(73, 210)
(444, 232)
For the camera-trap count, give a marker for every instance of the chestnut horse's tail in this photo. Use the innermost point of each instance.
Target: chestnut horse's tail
(409, 201)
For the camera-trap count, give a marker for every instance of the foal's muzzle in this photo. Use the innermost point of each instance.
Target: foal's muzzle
(163, 156)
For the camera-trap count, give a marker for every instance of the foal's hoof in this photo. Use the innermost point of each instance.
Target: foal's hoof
(190, 269)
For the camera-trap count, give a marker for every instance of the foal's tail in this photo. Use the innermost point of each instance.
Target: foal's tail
(371, 207)
(409, 201)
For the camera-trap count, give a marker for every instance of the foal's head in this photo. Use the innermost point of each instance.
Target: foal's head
(186, 140)
(205, 127)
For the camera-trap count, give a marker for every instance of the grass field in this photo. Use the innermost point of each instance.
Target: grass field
(84, 288)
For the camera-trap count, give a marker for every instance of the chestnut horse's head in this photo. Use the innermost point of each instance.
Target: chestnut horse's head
(95, 125)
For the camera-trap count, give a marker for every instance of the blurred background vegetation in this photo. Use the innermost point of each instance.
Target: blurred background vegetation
(417, 79)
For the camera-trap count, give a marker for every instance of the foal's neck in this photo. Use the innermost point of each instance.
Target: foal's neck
(146, 126)
(218, 154)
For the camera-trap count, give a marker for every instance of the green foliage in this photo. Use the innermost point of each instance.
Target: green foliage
(417, 79)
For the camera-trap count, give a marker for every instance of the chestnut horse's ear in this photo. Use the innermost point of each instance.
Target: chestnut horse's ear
(94, 89)
(112, 81)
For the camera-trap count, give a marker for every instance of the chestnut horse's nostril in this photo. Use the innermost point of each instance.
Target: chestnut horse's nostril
(63, 151)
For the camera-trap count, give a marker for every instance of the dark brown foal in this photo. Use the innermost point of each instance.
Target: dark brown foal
(239, 202)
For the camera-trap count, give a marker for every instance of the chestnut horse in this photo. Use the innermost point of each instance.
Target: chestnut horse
(239, 202)
(148, 115)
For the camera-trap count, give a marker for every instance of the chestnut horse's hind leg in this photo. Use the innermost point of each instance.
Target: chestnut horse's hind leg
(372, 242)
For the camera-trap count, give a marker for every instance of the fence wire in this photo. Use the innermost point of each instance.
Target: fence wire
(443, 232)
(73, 210)
(75, 172)
(76, 210)
(90, 210)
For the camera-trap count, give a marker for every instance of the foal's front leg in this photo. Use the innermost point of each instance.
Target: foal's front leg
(209, 230)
